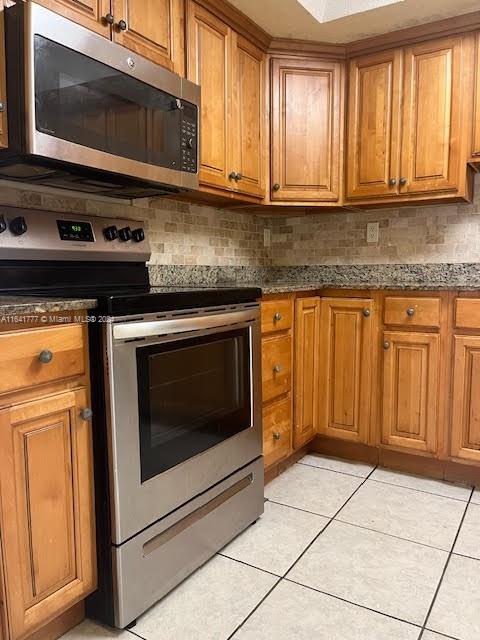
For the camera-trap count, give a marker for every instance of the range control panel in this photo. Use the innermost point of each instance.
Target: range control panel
(189, 138)
(28, 234)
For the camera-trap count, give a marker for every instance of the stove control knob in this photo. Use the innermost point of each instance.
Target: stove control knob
(3, 224)
(110, 233)
(18, 226)
(125, 234)
(138, 235)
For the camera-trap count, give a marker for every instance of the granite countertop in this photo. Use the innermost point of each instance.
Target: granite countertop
(19, 305)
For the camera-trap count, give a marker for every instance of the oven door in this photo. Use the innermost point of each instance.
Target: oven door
(185, 410)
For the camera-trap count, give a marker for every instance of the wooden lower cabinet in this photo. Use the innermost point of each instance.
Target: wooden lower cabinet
(410, 390)
(307, 364)
(465, 422)
(276, 366)
(346, 350)
(47, 514)
(277, 430)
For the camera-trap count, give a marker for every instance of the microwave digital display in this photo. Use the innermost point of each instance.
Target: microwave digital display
(75, 231)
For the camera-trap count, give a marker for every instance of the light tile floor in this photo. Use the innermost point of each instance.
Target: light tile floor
(343, 552)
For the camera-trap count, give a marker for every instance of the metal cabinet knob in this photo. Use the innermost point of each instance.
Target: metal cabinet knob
(86, 414)
(276, 186)
(366, 313)
(277, 317)
(45, 356)
(109, 19)
(403, 181)
(386, 345)
(232, 175)
(2, 107)
(276, 435)
(238, 177)
(277, 368)
(410, 311)
(392, 182)
(122, 25)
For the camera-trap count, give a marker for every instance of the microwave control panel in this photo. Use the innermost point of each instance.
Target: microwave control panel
(189, 138)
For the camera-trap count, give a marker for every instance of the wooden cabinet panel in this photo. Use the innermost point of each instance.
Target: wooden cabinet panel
(89, 13)
(154, 30)
(277, 430)
(248, 116)
(465, 424)
(346, 368)
(475, 146)
(467, 313)
(431, 148)
(20, 352)
(306, 121)
(413, 312)
(374, 125)
(48, 532)
(209, 64)
(277, 315)
(3, 87)
(307, 361)
(276, 366)
(410, 390)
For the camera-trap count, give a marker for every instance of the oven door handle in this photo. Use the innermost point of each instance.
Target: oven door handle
(145, 329)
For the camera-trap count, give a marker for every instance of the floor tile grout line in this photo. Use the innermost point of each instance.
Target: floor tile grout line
(355, 604)
(254, 609)
(437, 590)
(430, 493)
(282, 504)
(343, 473)
(247, 564)
(439, 633)
(135, 634)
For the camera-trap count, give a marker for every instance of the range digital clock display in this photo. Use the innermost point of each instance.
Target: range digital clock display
(72, 230)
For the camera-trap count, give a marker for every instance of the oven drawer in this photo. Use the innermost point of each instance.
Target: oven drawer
(277, 430)
(412, 311)
(41, 356)
(276, 366)
(277, 315)
(152, 563)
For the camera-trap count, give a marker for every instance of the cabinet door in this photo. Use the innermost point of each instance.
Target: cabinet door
(89, 13)
(346, 368)
(466, 399)
(475, 150)
(47, 517)
(277, 430)
(3, 88)
(410, 390)
(306, 117)
(209, 65)
(432, 107)
(374, 125)
(154, 30)
(307, 360)
(248, 116)
(276, 366)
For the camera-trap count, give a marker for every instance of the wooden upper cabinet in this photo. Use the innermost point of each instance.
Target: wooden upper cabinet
(410, 390)
(248, 112)
(374, 125)
(306, 124)
(209, 64)
(432, 152)
(3, 88)
(89, 13)
(475, 145)
(346, 349)
(155, 30)
(307, 361)
(465, 421)
(47, 524)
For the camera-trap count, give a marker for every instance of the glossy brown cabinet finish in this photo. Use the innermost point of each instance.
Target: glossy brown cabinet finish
(346, 349)
(412, 311)
(306, 124)
(276, 366)
(88, 13)
(475, 144)
(465, 431)
(277, 430)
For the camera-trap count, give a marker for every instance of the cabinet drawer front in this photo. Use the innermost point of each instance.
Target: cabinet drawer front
(467, 313)
(20, 355)
(277, 430)
(276, 366)
(276, 315)
(415, 312)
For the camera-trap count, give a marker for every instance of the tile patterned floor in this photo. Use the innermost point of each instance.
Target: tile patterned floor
(343, 552)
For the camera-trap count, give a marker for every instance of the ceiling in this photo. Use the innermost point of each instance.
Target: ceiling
(341, 21)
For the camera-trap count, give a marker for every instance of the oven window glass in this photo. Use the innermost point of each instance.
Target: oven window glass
(192, 395)
(84, 101)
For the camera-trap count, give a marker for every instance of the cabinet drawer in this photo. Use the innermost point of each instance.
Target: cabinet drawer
(276, 366)
(414, 312)
(20, 361)
(276, 315)
(277, 430)
(467, 313)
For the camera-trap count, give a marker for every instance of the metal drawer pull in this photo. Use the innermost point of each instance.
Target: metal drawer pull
(392, 182)
(410, 311)
(45, 356)
(122, 25)
(276, 186)
(276, 435)
(386, 345)
(366, 313)
(277, 317)
(86, 414)
(109, 19)
(277, 368)
(403, 181)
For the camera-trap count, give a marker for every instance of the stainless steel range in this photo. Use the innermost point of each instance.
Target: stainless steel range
(175, 385)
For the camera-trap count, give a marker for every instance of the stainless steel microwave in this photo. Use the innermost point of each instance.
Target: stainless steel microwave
(89, 115)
